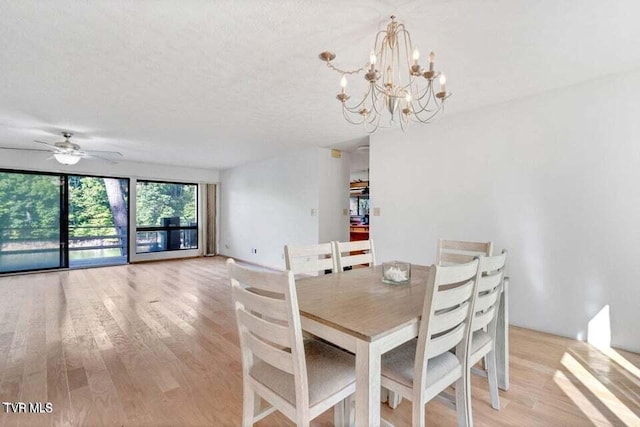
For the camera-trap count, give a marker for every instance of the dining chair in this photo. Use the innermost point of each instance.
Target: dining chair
(451, 252)
(310, 259)
(344, 257)
(301, 379)
(423, 368)
(484, 323)
(458, 252)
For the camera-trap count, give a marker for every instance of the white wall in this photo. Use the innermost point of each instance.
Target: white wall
(265, 205)
(552, 178)
(334, 196)
(296, 199)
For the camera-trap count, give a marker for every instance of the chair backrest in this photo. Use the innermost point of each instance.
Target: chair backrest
(459, 252)
(366, 253)
(446, 317)
(311, 259)
(490, 275)
(268, 318)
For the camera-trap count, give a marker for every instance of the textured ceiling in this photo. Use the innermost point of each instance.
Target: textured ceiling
(216, 84)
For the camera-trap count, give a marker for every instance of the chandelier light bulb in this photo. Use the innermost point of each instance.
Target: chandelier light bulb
(373, 58)
(408, 98)
(343, 82)
(443, 81)
(416, 54)
(432, 57)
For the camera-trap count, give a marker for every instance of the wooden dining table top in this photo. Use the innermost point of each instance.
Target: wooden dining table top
(358, 303)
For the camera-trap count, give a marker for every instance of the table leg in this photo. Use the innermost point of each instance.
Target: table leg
(502, 338)
(367, 384)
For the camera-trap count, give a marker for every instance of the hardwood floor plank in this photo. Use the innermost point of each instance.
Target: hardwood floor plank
(156, 344)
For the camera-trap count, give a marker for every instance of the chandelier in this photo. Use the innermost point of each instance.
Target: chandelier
(398, 87)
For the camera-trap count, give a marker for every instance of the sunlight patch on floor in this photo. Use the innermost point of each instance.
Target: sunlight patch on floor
(600, 391)
(579, 399)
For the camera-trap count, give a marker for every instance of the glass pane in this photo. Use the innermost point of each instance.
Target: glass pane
(166, 216)
(158, 241)
(98, 221)
(166, 204)
(29, 221)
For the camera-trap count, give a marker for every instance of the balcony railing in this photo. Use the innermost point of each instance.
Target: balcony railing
(39, 247)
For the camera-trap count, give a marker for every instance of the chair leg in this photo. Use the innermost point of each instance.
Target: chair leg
(249, 401)
(463, 399)
(339, 413)
(384, 395)
(394, 399)
(418, 414)
(492, 377)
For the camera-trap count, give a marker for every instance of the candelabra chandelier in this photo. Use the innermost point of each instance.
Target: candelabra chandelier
(397, 84)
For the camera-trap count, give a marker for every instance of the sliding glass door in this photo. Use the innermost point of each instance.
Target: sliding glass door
(56, 221)
(31, 221)
(98, 221)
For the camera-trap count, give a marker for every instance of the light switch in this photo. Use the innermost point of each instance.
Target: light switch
(345, 212)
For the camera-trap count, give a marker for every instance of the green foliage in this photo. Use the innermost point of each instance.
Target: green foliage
(155, 201)
(89, 208)
(29, 206)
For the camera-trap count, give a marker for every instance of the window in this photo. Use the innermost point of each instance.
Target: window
(166, 216)
(57, 221)
(31, 236)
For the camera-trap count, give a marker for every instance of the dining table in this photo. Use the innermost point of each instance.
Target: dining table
(356, 311)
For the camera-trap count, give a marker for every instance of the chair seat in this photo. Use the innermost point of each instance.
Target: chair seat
(329, 370)
(480, 339)
(398, 365)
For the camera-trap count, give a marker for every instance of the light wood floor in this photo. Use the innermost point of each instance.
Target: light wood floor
(156, 344)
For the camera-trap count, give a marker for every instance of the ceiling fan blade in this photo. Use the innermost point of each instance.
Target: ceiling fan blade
(107, 153)
(86, 155)
(45, 143)
(25, 149)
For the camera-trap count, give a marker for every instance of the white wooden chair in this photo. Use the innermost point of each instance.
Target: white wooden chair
(458, 252)
(483, 326)
(421, 369)
(300, 380)
(452, 252)
(344, 258)
(310, 259)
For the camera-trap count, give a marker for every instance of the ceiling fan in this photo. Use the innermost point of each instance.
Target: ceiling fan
(69, 153)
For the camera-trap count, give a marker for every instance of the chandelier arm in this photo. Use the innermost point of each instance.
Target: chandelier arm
(374, 101)
(375, 43)
(431, 116)
(348, 119)
(408, 46)
(354, 108)
(375, 126)
(428, 91)
(427, 103)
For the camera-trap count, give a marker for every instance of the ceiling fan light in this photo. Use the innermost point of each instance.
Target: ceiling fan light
(66, 159)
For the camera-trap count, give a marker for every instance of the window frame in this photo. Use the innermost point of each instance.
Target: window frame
(168, 228)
